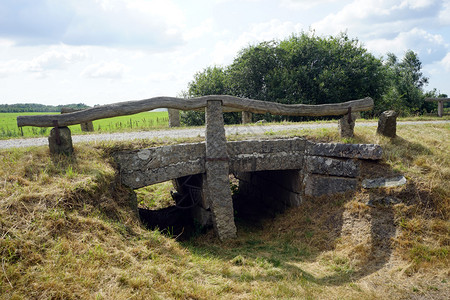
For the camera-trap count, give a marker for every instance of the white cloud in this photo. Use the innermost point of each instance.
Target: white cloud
(56, 58)
(430, 47)
(112, 70)
(204, 28)
(150, 23)
(224, 50)
(446, 62)
(305, 4)
(380, 18)
(444, 15)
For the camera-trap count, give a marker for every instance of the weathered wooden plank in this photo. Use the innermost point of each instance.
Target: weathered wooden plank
(230, 103)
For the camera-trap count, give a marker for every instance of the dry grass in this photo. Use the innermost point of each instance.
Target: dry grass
(67, 231)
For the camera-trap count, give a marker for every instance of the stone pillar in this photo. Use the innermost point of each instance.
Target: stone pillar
(246, 117)
(387, 123)
(218, 193)
(440, 108)
(88, 126)
(60, 141)
(174, 117)
(346, 125)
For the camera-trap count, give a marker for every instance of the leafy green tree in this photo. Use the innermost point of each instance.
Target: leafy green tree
(211, 81)
(309, 69)
(405, 83)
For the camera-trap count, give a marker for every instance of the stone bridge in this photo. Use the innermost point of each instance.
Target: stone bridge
(295, 167)
(281, 171)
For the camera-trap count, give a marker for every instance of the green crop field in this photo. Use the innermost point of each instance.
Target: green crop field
(140, 121)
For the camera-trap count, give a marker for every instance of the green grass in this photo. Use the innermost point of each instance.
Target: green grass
(140, 121)
(67, 231)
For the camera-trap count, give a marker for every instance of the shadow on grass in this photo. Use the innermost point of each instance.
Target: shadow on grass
(263, 242)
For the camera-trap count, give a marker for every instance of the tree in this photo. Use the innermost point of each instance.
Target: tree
(405, 83)
(309, 69)
(211, 81)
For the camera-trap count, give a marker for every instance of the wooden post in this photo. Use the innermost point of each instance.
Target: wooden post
(218, 193)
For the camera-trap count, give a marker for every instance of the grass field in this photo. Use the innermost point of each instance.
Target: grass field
(140, 121)
(67, 232)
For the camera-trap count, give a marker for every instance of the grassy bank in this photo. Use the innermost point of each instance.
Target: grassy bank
(140, 121)
(67, 232)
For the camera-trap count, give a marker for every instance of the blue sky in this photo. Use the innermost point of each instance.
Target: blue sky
(105, 51)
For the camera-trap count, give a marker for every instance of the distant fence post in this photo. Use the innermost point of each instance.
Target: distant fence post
(246, 117)
(174, 117)
(218, 193)
(440, 102)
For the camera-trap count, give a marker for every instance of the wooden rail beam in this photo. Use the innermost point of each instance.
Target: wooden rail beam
(230, 103)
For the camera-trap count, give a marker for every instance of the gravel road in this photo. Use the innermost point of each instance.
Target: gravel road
(189, 132)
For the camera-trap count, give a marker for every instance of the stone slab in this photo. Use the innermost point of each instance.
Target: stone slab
(266, 161)
(331, 166)
(144, 167)
(384, 182)
(266, 146)
(318, 185)
(361, 151)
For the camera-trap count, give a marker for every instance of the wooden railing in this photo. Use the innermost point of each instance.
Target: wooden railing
(229, 103)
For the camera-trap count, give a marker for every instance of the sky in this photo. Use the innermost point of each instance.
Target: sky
(105, 51)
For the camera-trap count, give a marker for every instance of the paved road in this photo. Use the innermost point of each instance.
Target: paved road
(190, 132)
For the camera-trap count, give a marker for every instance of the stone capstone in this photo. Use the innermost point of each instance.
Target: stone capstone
(331, 166)
(361, 151)
(387, 124)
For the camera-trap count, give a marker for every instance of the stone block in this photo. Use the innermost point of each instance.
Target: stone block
(387, 124)
(144, 167)
(384, 182)
(319, 185)
(247, 117)
(60, 142)
(346, 126)
(174, 117)
(331, 166)
(361, 151)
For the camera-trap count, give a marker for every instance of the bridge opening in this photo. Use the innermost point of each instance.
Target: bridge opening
(168, 206)
(263, 194)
